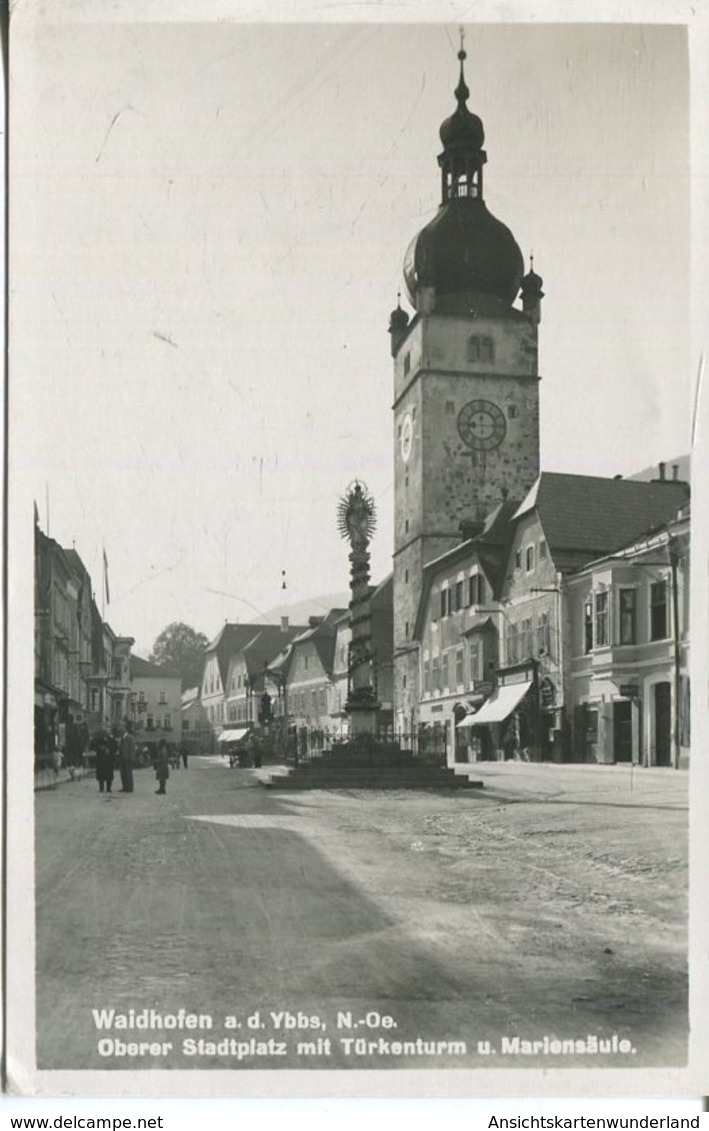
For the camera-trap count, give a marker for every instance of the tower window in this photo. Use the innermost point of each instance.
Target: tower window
(450, 407)
(406, 526)
(529, 563)
(406, 575)
(473, 351)
(487, 350)
(511, 411)
(407, 364)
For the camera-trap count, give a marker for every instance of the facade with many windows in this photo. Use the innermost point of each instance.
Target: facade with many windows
(246, 682)
(155, 702)
(520, 625)
(629, 651)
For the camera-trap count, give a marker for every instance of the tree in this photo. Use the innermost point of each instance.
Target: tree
(180, 647)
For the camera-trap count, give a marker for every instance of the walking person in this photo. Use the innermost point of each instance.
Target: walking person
(57, 759)
(184, 755)
(104, 762)
(162, 765)
(126, 759)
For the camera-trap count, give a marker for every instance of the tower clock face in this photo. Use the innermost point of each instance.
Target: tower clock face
(482, 425)
(407, 437)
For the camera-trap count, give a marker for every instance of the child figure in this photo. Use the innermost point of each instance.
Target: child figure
(162, 765)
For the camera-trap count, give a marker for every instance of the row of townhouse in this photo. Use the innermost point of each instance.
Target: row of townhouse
(82, 667)
(559, 628)
(86, 677)
(296, 674)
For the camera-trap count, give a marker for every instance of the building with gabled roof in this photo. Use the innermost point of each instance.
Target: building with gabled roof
(246, 673)
(493, 623)
(585, 516)
(628, 655)
(155, 702)
(227, 643)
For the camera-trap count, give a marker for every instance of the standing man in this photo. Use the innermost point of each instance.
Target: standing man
(162, 765)
(127, 757)
(104, 762)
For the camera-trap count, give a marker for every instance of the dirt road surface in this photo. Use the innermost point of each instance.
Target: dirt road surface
(540, 922)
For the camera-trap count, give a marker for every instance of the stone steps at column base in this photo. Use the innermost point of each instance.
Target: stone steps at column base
(425, 777)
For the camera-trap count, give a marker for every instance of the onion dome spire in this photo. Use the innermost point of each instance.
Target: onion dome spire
(464, 251)
(463, 138)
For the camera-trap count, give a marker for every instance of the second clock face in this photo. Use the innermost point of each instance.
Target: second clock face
(407, 437)
(482, 425)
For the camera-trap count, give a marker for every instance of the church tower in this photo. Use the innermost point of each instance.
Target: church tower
(466, 384)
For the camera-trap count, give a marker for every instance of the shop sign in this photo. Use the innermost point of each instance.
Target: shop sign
(547, 692)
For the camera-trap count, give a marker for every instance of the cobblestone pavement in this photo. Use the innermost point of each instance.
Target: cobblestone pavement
(550, 908)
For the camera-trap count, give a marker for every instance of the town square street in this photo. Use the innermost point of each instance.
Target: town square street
(538, 921)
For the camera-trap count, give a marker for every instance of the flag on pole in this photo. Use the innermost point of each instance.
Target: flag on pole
(36, 513)
(105, 578)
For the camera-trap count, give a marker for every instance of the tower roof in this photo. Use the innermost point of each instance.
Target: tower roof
(464, 250)
(462, 129)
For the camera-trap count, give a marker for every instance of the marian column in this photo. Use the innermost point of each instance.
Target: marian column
(356, 519)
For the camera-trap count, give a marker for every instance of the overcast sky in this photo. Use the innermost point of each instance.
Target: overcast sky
(213, 220)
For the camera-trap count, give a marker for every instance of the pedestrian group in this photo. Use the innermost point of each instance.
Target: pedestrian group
(117, 749)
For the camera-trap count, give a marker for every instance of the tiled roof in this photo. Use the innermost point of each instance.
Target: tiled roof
(231, 639)
(267, 643)
(142, 669)
(585, 516)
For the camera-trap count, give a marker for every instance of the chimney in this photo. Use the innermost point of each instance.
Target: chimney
(470, 528)
(662, 472)
(284, 624)
(675, 472)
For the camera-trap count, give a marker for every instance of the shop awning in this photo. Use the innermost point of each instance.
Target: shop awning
(500, 704)
(233, 735)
